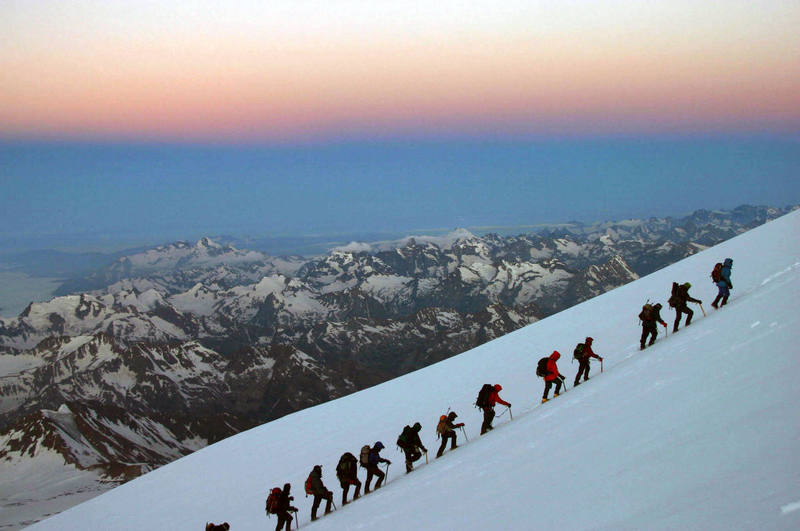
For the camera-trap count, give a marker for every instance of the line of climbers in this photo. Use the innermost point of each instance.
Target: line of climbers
(279, 500)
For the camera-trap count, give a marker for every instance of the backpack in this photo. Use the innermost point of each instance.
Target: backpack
(716, 273)
(578, 352)
(272, 500)
(309, 489)
(346, 466)
(405, 437)
(541, 367)
(483, 395)
(674, 299)
(364, 456)
(647, 312)
(442, 426)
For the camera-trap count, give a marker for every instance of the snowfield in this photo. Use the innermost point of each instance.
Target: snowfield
(700, 431)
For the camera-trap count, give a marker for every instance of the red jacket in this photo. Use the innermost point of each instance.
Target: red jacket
(588, 352)
(552, 368)
(494, 398)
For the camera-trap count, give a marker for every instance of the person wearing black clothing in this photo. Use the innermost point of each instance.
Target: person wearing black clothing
(411, 445)
(284, 508)
(650, 318)
(373, 461)
(347, 472)
(680, 301)
(447, 431)
(320, 492)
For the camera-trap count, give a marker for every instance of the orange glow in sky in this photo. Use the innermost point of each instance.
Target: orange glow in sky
(297, 70)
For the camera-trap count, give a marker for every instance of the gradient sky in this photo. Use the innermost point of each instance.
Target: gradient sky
(283, 71)
(167, 120)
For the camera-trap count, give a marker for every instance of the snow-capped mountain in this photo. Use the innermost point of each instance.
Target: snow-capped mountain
(698, 431)
(199, 353)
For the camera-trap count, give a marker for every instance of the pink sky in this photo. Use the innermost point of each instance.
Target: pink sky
(284, 71)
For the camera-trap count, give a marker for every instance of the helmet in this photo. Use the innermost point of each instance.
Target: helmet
(417, 426)
(687, 285)
(498, 387)
(452, 415)
(378, 445)
(589, 339)
(657, 306)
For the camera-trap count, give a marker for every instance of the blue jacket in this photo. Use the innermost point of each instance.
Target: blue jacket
(725, 281)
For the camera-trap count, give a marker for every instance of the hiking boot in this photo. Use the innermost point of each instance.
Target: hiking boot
(555, 395)
(544, 400)
(576, 384)
(641, 347)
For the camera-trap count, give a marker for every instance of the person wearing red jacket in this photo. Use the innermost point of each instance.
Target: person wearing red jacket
(488, 411)
(552, 376)
(583, 361)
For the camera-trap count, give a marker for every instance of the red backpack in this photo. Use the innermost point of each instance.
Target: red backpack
(716, 274)
(272, 500)
(309, 490)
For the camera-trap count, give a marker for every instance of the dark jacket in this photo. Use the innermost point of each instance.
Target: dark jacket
(655, 316)
(375, 456)
(725, 281)
(317, 487)
(411, 436)
(682, 294)
(285, 500)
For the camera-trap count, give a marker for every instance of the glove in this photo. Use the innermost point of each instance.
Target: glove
(459, 425)
(388, 462)
(601, 358)
(425, 450)
(509, 404)
(700, 302)
(291, 498)
(561, 377)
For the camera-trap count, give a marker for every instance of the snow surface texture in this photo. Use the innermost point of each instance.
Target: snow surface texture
(700, 431)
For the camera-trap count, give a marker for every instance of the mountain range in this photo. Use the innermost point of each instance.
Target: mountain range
(177, 347)
(698, 431)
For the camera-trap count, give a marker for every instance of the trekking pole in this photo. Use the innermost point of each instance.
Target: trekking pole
(426, 458)
(465, 433)
(510, 413)
(703, 310)
(386, 476)
(601, 366)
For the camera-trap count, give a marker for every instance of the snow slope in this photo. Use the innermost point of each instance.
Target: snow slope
(700, 431)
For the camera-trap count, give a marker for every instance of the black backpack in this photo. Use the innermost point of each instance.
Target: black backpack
(674, 298)
(483, 395)
(347, 466)
(405, 438)
(578, 352)
(541, 367)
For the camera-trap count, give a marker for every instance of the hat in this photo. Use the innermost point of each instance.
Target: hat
(589, 339)
(417, 426)
(378, 445)
(687, 285)
(452, 415)
(498, 387)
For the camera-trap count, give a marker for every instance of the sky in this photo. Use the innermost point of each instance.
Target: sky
(173, 119)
